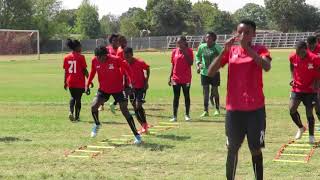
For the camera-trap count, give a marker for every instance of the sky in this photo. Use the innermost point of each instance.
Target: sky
(117, 7)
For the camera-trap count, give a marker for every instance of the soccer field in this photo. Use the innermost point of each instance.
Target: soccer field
(35, 130)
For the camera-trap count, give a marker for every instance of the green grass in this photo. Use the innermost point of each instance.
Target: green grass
(35, 131)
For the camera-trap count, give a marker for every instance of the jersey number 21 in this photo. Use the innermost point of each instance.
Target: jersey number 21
(73, 67)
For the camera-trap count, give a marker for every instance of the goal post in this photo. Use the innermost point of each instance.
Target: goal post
(20, 42)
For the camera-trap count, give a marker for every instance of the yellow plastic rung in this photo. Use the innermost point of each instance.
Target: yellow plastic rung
(164, 127)
(298, 155)
(78, 156)
(289, 161)
(101, 147)
(172, 124)
(87, 151)
(127, 135)
(300, 145)
(297, 149)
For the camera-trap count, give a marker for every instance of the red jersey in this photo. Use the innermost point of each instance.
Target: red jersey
(74, 65)
(245, 84)
(109, 76)
(181, 68)
(137, 68)
(111, 50)
(304, 72)
(316, 50)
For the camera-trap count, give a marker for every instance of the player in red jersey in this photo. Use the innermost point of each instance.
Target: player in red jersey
(140, 84)
(75, 69)
(303, 66)
(180, 76)
(313, 46)
(110, 84)
(245, 104)
(112, 49)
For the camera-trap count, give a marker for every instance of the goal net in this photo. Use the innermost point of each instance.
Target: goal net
(19, 42)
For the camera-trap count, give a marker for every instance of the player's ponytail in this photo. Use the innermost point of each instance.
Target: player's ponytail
(73, 44)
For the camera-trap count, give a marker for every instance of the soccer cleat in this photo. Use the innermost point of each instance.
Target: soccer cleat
(137, 140)
(112, 108)
(216, 113)
(95, 130)
(77, 119)
(204, 114)
(312, 140)
(187, 118)
(71, 118)
(144, 129)
(174, 119)
(101, 108)
(300, 132)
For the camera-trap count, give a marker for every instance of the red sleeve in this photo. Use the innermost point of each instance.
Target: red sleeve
(126, 70)
(225, 58)
(92, 72)
(190, 52)
(65, 64)
(291, 57)
(145, 66)
(316, 60)
(172, 55)
(83, 62)
(264, 52)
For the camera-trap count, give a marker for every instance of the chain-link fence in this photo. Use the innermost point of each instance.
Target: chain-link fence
(143, 43)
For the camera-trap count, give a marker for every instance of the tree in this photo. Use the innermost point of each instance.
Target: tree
(169, 17)
(67, 17)
(309, 19)
(44, 13)
(87, 22)
(16, 14)
(253, 12)
(203, 12)
(133, 21)
(109, 24)
(223, 23)
(284, 12)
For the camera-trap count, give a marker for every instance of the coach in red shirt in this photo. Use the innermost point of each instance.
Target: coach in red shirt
(245, 99)
(75, 68)
(110, 84)
(180, 76)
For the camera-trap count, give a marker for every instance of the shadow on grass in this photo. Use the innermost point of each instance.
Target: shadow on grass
(12, 139)
(159, 116)
(174, 137)
(207, 120)
(155, 147)
(104, 122)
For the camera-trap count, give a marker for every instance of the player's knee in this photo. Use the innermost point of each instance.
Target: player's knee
(255, 151)
(233, 149)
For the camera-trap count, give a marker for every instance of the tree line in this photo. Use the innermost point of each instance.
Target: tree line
(159, 18)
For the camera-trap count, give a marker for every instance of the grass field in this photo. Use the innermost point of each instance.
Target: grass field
(35, 131)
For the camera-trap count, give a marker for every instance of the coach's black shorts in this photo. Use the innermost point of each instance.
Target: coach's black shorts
(308, 99)
(213, 81)
(118, 97)
(242, 123)
(138, 95)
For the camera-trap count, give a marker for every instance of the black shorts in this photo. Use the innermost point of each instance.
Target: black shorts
(308, 99)
(213, 81)
(138, 95)
(76, 92)
(118, 97)
(250, 123)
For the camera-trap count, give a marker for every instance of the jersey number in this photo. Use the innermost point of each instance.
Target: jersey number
(73, 67)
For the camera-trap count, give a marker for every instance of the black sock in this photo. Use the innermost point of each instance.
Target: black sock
(138, 116)
(296, 119)
(132, 125)
(231, 167)
(217, 102)
(257, 162)
(78, 109)
(142, 115)
(311, 125)
(72, 103)
(95, 116)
